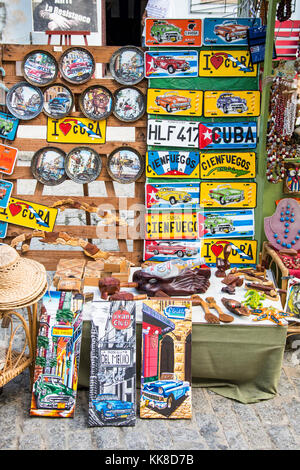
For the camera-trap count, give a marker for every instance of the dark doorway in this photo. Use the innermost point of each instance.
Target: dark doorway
(188, 359)
(167, 355)
(123, 22)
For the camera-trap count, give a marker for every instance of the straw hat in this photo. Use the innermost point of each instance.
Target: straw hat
(22, 281)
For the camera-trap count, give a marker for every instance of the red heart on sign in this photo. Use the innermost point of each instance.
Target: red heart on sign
(217, 250)
(216, 61)
(14, 209)
(65, 127)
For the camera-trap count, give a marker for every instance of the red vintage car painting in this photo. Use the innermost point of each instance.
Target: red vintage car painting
(231, 30)
(171, 249)
(173, 102)
(171, 64)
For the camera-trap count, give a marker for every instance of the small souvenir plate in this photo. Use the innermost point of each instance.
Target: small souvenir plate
(96, 102)
(58, 101)
(125, 165)
(39, 68)
(83, 165)
(129, 104)
(48, 166)
(127, 65)
(24, 101)
(77, 65)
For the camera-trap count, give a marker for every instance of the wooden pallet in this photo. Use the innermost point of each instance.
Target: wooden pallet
(27, 143)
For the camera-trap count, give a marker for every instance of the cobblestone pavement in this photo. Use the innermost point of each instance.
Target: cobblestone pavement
(217, 423)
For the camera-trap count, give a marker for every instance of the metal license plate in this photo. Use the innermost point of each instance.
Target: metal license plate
(173, 64)
(174, 102)
(231, 103)
(229, 194)
(172, 133)
(171, 225)
(230, 224)
(76, 131)
(227, 165)
(242, 252)
(173, 32)
(172, 164)
(233, 135)
(172, 195)
(227, 31)
(226, 63)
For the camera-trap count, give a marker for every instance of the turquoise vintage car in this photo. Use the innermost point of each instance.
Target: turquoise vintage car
(224, 194)
(110, 407)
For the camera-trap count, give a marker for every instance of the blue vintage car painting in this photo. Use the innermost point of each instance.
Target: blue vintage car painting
(110, 407)
(165, 393)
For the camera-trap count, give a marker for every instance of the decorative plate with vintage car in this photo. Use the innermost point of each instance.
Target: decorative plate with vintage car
(96, 102)
(58, 101)
(24, 101)
(129, 104)
(77, 65)
(125, 165)
(48, 166)
(39, 68)
(83, 165)
(127, 65)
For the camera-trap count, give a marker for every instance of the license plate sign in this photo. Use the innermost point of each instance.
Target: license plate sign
(231, 103)
(227, 165)
(233, 135)
(172, 164)
(173, 32)
(229, 194)
(230, 224)
(229, 31)
(172, 195)
(162, 64)
(226, 63)
(174, 102)
(171, 225)
(173, 133)
(242, 251)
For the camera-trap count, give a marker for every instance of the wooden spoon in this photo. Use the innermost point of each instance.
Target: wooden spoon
(208, 316)
(224, 317)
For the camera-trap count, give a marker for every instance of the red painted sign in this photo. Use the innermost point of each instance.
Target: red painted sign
(121, 319)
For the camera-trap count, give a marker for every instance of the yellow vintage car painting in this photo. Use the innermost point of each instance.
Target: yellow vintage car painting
(231, 103)
(174, 102)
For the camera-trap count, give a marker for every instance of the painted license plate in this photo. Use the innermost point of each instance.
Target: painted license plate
(8, 126)
(3, 229)
(8, 157)
(229, 31)
(165, 250)
(230, 224)
(232, 194)
(76, 131)
(163, 32)
(233, 135)
(231, 103)
(5, 192)
(174, 102)
(29, 214)
(173, 133)
(225, 63)
(173, 64)
(227, 165)
(171, 225)
(243, 251)
(172, 195)
(172, 163)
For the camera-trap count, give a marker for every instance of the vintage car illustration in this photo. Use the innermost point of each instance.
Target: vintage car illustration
(224, 194)
(230, 103)
(171, 248)
(165, 393)
(215, 223)
(5, 126)
(37, 72)
(60, 102)
(173, 196)
(173, 102)
(164, 31)
(51, 393)
(170, 64)
(230, 30)
(110, 407)
(2, 193)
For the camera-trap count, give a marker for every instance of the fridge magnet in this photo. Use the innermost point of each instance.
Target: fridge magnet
(29, 214)
(174, 64)
(8, 126)
(3, 229)
(77, 130)
(39, 68)
(292, 306)
(24, 101)
(162, 32)
(58, 101)
(174, 102)
(83, 165)
(229, 31)
(172, 164)
(166, 390)
(129, 104)
(229, 194)
(125, 165)
(76, 65)
(282, 228)
(96, 102)
(242, 251)
(232, 224)
(165, 250)
(57, 356)
(292, 178)
(8, 158)
(167, 225)
(5, 192)
(227, 165)
(231, 103)
(173, 133)
(168, 195)
(48, 166)
(225, 63)
(127, 65)
(112, 395)
(234, 135)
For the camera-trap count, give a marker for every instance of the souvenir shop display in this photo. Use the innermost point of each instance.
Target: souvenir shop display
(125, 165)
(162, 132)
(231, 136)
(226, 63)
(231, 103)
(112, 391)
(8, 158)
(76, 65)
(8, 126)
(39, 68)
(166, 390)
(172, 164)
(129, 104)
(76, 130)
(57, 356)
(58, 101)
(229, 194)
(5, 192)
(175, 32)
(227, 31)
(48, 166)
(127, 65)
(96, 102)
(166, 64)
(24, 101)
(282, 229)
(169, 194)
(227, 165)
(83, 165)
(174, 102)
